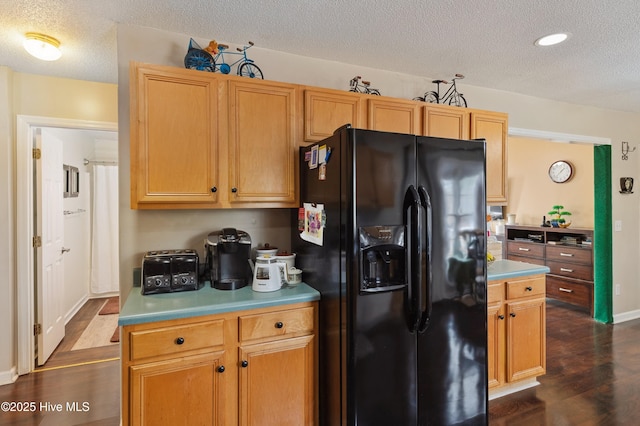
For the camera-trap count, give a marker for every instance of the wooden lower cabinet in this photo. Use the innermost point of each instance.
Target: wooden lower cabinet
(268, 396)
(516, 337)
(172, 391)
(254, 367)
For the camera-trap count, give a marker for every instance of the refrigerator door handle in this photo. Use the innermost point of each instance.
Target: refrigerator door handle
(426, 280)
(411, 207)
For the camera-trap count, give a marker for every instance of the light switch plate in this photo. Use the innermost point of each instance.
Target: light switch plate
(618, 225)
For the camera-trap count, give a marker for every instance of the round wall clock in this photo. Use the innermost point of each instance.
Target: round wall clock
(561, 171)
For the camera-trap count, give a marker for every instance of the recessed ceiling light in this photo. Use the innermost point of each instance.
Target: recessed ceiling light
(42, 46)
(551, 39)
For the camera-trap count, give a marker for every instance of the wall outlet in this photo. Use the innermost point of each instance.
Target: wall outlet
(617, 289)
(618, 225)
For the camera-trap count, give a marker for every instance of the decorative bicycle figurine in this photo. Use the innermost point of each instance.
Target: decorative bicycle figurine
(202, 60)
(246, 67)
(362, 88)
(451, 96)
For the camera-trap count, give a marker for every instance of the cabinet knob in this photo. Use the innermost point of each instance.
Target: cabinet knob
(244, 363)
(179, 340)
(234, 189)
(279, 324)
(529, 288)
(512, 314)
(501, 317)
(221, 369)
(214, 189)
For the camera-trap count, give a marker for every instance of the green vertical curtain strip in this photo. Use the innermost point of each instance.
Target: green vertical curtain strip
(602, 245)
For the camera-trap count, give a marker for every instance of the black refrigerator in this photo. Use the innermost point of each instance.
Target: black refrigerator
(392, 232)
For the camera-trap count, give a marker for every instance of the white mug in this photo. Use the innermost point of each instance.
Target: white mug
(511, 219)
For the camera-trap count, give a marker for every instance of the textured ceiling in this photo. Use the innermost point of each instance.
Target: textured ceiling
(489, 41)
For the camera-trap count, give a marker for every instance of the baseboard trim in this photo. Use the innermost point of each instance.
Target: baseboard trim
(74, 310)
(8, 377)
(626, 316)
(512, 388)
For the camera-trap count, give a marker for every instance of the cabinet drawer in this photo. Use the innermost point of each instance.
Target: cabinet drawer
(571, 270)
(569, 254)
(276, 324)
(518, 248)
(176, 339)
(574, 292)
(495, 292)
(525, 288)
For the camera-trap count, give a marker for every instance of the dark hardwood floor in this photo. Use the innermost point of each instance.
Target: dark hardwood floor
(593, 375)
(86, 382)
(593, 378)
(64, 356)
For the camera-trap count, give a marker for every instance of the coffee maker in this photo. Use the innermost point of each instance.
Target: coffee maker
(228, 252)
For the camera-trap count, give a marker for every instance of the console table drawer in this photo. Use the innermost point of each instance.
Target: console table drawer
(517, 248)
(574, 292)
(569, 254)
(571, 270)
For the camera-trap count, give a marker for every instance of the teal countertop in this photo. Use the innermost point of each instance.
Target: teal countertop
(140, 308)
(503, 269)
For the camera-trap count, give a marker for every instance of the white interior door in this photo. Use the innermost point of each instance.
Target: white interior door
(50, 228)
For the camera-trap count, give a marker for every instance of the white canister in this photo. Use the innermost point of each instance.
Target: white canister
(511, 219)
(288, 259)
(266, 250)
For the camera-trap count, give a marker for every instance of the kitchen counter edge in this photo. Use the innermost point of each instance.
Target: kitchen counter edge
(139, 309)
(503, 269)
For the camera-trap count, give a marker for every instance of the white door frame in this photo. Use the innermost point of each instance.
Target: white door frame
(24, 225)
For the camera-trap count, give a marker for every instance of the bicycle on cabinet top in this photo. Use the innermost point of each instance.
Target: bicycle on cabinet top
(199, 59)
(355, 86)
(451, 96)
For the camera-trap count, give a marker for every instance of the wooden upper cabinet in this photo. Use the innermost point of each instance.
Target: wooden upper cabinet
(493, 127)
(327, 110)
(445, 121)
(394, 115)
(261, 136)
(174, 139)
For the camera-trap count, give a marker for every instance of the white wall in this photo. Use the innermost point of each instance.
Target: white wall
(144, 230)
(8, 352)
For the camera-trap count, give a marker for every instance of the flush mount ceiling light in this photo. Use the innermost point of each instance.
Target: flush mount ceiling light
(42, 46)
(551, 39)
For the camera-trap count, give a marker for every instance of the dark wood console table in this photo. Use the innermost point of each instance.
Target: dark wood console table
(568, 252)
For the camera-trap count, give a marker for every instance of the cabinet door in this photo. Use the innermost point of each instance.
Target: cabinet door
(494, 128)
(187, 390)
(277, 383)
(526, 339)
(262, 154)
(174, 140)
(446, 121)
(394, 115)
(495, 344)
(327, 110)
